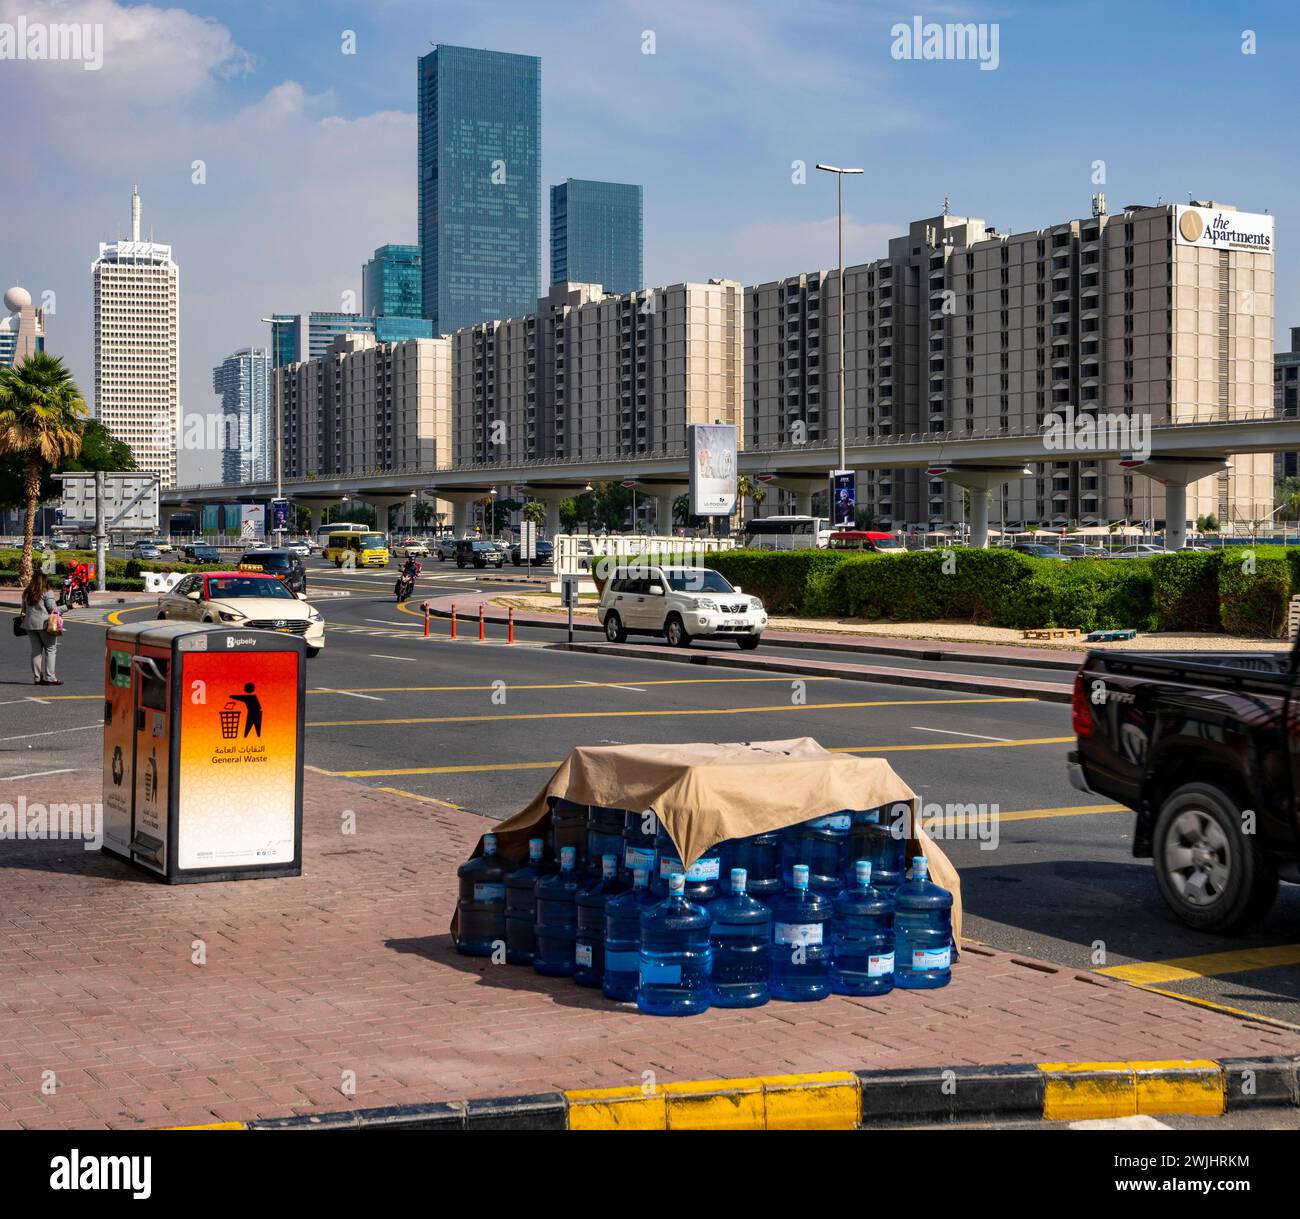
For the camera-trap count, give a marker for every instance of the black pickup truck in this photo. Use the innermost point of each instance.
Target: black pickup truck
(1205, 747)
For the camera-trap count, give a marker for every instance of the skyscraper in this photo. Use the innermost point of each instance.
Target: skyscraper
(596, 235)
(22, 328)
(480, 185)
(244, 382)
(136, 288)
(391, 285)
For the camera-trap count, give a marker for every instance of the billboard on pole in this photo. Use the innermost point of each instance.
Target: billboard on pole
(130, 499)
(844, 499)
(712, 449)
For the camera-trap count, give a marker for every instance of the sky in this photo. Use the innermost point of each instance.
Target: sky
(308, 153)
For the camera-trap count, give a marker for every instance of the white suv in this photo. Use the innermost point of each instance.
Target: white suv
(679, 603)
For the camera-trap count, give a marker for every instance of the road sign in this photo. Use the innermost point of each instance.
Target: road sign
(628, 483)
(528, 540)
(130, 499)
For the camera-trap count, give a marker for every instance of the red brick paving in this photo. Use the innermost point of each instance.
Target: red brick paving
(350, 968)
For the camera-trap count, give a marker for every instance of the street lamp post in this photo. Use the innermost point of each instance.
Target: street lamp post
(839, 172)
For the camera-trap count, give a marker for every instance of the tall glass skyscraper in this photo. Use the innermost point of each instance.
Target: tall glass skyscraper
(391, 284)
(480, 185)
(596, 235)
(244, 382)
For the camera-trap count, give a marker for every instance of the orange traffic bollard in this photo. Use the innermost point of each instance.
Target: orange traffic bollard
(510, 638)
(426, 620)
(453, 620)
(480, 623)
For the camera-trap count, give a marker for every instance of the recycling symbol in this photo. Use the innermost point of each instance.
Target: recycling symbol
(119, 769)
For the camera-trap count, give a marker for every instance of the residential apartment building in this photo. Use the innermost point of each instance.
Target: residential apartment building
(243, 381)
(962, 330)
(593, 375)
(596, 235)
(366, 407)
(136, 290)
(22, 328)
(479, 118)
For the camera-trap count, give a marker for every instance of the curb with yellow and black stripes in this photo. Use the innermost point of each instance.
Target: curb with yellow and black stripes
(850, 1100)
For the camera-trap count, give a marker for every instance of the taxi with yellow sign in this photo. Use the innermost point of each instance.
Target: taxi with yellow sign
(248, 600)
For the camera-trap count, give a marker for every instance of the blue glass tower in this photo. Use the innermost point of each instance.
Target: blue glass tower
(480, 185)
(307, 336)
(391, 284)
(596, 235)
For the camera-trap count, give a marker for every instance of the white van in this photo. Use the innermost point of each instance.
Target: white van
(679, 603)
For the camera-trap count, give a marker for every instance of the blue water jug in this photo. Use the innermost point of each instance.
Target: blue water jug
(922, 931)
(604, 836)
(675, 955)
(819, 844)
(801, 959)
(759, 856)
(741, 937)
(482, 905)
(589, 946)
(521, 904)
(701, 876)
(862, 937)
(879, 834)
(569, 829)
(557, 919)
(639, 831)
(623, 938)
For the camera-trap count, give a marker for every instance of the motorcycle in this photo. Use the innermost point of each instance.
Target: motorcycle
(73, 595)
(404, 587)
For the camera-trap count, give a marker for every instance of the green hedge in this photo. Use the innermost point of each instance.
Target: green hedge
(1187, 590)
(1254, 589)
(799, 582)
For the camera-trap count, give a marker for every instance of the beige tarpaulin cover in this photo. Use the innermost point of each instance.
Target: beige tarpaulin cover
(704, 794)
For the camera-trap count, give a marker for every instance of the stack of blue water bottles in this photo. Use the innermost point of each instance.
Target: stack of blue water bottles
(824, 907)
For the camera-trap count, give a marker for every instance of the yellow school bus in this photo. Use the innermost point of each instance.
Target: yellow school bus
(363, 549)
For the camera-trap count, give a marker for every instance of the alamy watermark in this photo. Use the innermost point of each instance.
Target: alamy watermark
(34, 821)
(37, 40)
(954, 40)
(1086, 431)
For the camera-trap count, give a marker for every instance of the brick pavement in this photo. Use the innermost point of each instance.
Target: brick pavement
(350, 968)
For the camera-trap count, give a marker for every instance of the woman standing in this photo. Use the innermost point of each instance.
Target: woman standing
(39, 605)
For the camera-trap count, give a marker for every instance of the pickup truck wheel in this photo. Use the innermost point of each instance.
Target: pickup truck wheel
(1212, 875)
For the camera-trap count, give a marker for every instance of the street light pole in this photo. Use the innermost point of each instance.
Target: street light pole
(839, 172)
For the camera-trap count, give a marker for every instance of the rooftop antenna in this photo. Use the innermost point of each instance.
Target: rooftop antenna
(945, 205)
(135, 213)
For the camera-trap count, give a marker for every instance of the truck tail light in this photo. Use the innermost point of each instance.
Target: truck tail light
(1081, 712)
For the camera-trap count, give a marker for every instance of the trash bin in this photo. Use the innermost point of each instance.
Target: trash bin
(203, 737)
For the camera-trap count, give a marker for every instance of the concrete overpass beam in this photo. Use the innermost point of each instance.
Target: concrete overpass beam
(1175, 475)
(979, 481)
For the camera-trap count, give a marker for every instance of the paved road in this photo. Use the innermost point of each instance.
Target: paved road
(481, 726)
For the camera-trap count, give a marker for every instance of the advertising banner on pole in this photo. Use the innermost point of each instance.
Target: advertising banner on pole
(279, 514)
(844, 499)
(252, 521)
(712, 449)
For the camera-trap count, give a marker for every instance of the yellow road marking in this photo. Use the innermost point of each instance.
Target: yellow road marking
(1220, 1007)
(573, 715)
(564, 685)
(1207, 965)
(116, 616)
(401, 791)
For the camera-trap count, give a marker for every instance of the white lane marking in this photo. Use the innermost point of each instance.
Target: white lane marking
(55, 732)
(381, 656)
(609, 685)
(388, 622)
(1141, 1121)
(346, 693)
(39, 774)
(948, 732)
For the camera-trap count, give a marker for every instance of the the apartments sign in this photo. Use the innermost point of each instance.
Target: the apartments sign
(1220, 230)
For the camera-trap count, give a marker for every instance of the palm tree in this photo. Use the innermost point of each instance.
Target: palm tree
(42, 415)
(1287, 494)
